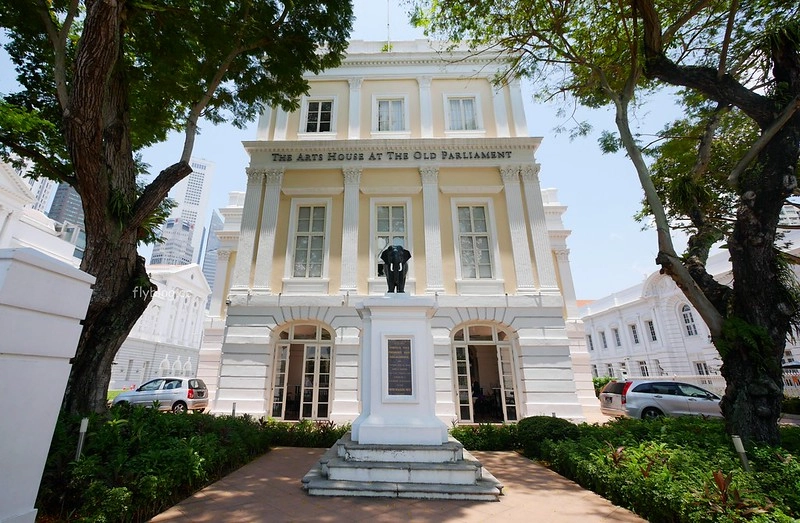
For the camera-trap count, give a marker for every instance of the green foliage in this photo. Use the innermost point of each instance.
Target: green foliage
(791, 405)
(305, 433)
(600, 382)
(534, 430)
(679, 470)
(486, 436)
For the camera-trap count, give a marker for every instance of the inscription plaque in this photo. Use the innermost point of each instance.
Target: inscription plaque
(399, 367)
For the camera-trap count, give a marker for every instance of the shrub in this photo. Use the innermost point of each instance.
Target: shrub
(600, 382)
(791, 405)
(486, 436)
(532, 431)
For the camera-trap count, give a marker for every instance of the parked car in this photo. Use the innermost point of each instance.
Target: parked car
(653, 398)
(171, 393)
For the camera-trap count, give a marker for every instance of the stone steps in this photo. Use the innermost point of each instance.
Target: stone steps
(444, 471)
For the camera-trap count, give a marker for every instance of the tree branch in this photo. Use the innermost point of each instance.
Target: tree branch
(786, 115)
(41, 160)
(156, 191)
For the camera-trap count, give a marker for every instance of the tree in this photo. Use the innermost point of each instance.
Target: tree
(736, 62)
(102, 79)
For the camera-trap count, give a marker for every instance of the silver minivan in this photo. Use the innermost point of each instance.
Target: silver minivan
(653, 398)
(172, 393)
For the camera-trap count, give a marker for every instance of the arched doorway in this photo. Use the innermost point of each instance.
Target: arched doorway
(301, 384)
(485, 375)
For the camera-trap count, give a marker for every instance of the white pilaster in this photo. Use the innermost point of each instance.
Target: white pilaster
(567, 287)
(247, 235)
(262, 131)
(220, 289)
(518, 109)
(433, 235)
(539, 233)
(354, 124)
(519, 232)
(352, 179)
(500, 111)
(425, 106)
(266, 235)
(281, 124)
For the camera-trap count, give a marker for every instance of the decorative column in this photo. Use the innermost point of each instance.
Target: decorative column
(518, 109)
(500, 110)
(281, 124)
(220, 287)
(354, 125)
(266, 235)
(352, 179)
(568, 287)
(519, 232)
(262, 131)
(6, 216)
(539, 232)
(247, 234)
(433, 234)
(425, 106)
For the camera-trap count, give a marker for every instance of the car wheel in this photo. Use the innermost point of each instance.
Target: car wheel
(179, 408)
(651, 413)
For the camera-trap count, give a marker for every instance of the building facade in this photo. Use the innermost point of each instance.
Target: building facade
(212, 243)
(165, 341)
(408, 148)
(183, 233)
(651, 329)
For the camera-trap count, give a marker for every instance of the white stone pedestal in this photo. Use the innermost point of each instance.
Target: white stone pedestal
(397, 386)
(42, 302)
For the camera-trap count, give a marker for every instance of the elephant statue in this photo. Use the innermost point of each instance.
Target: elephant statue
(395, 259)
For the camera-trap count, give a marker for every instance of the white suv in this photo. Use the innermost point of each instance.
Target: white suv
(654, 398)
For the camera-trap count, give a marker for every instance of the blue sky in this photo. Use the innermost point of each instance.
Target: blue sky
(608, 250)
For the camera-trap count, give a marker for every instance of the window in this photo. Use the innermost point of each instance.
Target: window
(391, 115)
(462, 114)
(652, 329)
(589, 342)
(702, 368)
(661, 371)
(788, 357)
(609, 370)
(473, 241)
(623, 368)
(634, 334)
(594, 371)
(390, 229)
(603, 340)
(617, 340)
(643, 370)
(319, 116)
(688, 321)
(309, 242)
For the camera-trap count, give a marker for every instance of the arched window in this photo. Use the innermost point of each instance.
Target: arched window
(688, 321)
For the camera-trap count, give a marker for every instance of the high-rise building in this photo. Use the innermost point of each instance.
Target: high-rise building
(66, 205)
(42, 190)
(212, 244)
(191, 195)
(176, 245)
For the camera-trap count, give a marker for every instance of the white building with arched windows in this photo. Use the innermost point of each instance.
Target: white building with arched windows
(166, 339)
(651, 329)
(405, 147)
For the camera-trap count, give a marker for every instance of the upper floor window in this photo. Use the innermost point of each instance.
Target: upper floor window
(473, 242)
(634, 334)
(688, 321)
(702, 368)
(391, 115)
(319, 116)
(603, 340)
(462, 114)
(589, 342)
(652, 330)
(308, 248)
(617, 339)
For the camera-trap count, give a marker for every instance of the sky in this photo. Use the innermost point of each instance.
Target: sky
(609, 251)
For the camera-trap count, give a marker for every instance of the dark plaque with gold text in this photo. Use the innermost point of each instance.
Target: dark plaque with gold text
(399, 367)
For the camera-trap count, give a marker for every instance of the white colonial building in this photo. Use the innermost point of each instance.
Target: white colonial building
(651, 329)
(409, 147)
(166, 339)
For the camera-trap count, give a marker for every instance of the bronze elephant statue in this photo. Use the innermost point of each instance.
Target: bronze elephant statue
(395, 259)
